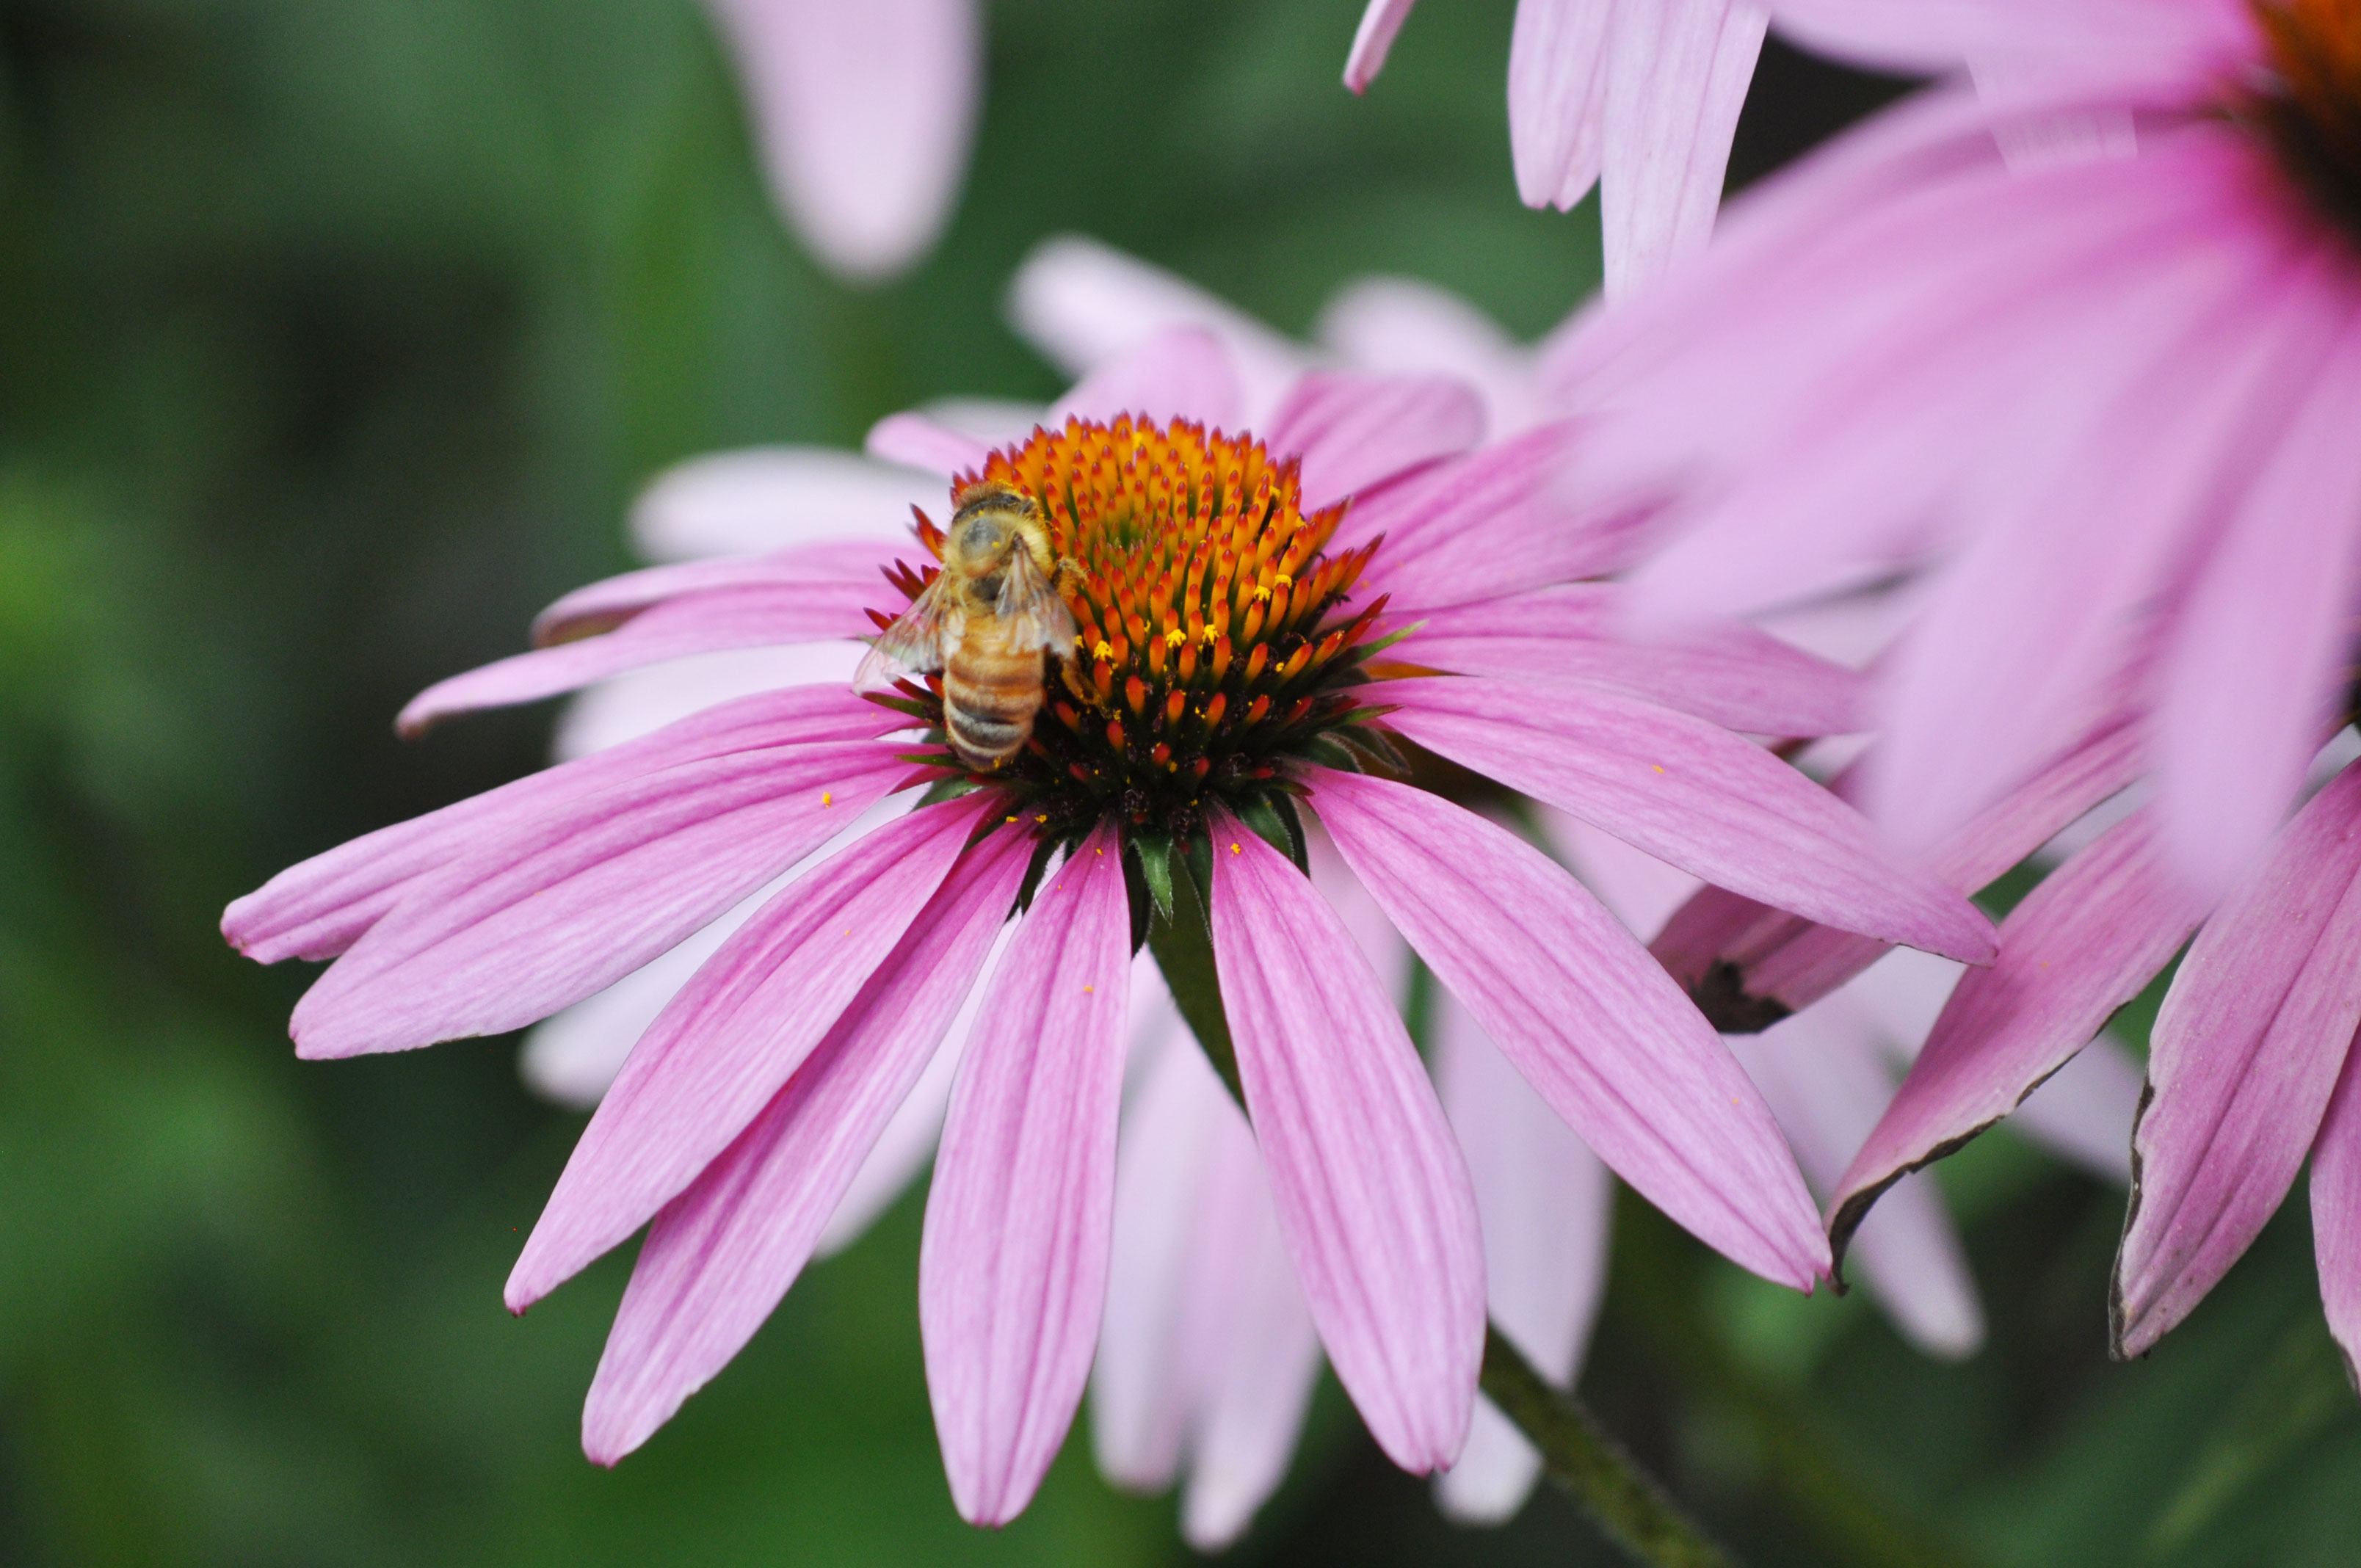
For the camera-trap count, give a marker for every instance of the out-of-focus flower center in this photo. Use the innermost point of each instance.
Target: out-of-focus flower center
(1213, 641)
(2314, 113)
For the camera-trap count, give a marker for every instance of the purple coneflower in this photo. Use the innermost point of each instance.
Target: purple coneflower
(1229, 670)
(1639, 97)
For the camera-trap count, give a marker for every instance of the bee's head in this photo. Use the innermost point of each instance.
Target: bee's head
(986, 526)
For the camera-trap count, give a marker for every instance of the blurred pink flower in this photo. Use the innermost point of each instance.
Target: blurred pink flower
(743, 1115)
(862, 116)
(1639, 97)
(2082, 348)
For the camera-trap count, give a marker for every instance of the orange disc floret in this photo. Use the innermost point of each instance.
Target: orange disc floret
(1213, 638)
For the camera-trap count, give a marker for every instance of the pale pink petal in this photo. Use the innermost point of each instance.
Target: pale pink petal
(2245, 1052)
(1749, 954)
(1600, 1032)
(720, 1254)
(734, 1034)
(1822, 1074)
(914, 440)
(317, 908)
(1141, 1396)
(1082, 304)
(995, 422)
(2084, 1111)
(2260, 655)
(641, 702)
(691, 624)
(2080, 945)
(603, 606)
(1401, 326)
(1638, 889)
(1372, 1194)
(1690, 793)
(1389, 955)
(1352, 433)
(1727, 672)
(1255, 1351)
(864, 113)
(1180, 373)
(1488, 523)
(2336, 1212)
(1677, 73)
(1372, 39)
(1557, 97)
(564, 906)
(1545, 1203)
(766, 499)
(1932, 35)
(1013, 1266)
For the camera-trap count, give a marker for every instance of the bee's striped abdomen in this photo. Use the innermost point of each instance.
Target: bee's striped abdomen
(990, 696)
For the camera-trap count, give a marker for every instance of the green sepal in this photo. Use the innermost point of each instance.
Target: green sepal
(1371, 745)
(1366, 649)
(1155, 851)
(1034, 872)
(1272, 816)
(1330, 752)
(1184, 945)
(910, 706)
(951, 789)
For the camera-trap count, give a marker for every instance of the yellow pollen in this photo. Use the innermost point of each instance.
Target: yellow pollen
(1211, 635)
(1043, 818)
(1175, 638)
(1285, 581)
(1233, 848)
(1106, 650)
(1261, 593)
(828, 797)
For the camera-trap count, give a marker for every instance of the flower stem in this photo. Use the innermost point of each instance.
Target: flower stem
(1592, 1468)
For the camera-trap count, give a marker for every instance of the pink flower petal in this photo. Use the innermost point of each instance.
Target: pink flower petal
(1765, 954)
(1728, 673)
(697, 623)
(720, 1254)
(2258, 658)
(1354, 431)
(1545, 1203)
(641, 702)
(1182, 372)
(2245, 1055)
(1677, 73)
(2336, 1211)
(1372, 39)
(558, 908)
(1692, 793)
(1932, 37)
(764, 498)
(318, 908)
(1013, 1268)
(1488, 523)
(1821, 1073)
(864, 113)
(1402, 326)
(1557, 97)
(2080, 945)
(734, 1035)
(1600, 1033)
(603, 606)
(914, 440)
(1372, 1195)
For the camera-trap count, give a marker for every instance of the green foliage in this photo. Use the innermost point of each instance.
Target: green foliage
(335, 338)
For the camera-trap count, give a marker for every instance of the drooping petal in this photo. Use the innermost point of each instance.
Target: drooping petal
(1690, 793)
(1600, 1032)
(2245, 1052)
(864, 113)
(914, 440)
(319, 907)
(1083, 304)
(1766, 955)
(1557, 97)
(563, 905)
(1372, 1194)
(1372, 39)
(734, 1034)
(1352, 432)
(1013, 1266)
(720, 1254)
(1821, 1073)
(2257, 661)
(1545, 1203)
(1182, 372)
(1677, 73)
(1638, 889)
(2336, 1211)
(2080, 945)
(764, 498)
(641, 702)
(1727, 672)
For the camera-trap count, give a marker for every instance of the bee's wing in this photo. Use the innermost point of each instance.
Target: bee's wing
(912, 645)
(1031, 612)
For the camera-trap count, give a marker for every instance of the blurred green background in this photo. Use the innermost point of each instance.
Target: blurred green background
(334, 337)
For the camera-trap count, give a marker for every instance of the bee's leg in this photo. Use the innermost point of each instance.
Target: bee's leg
(1068, 574)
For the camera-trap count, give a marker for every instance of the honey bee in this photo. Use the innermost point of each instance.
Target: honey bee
(985, 622)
